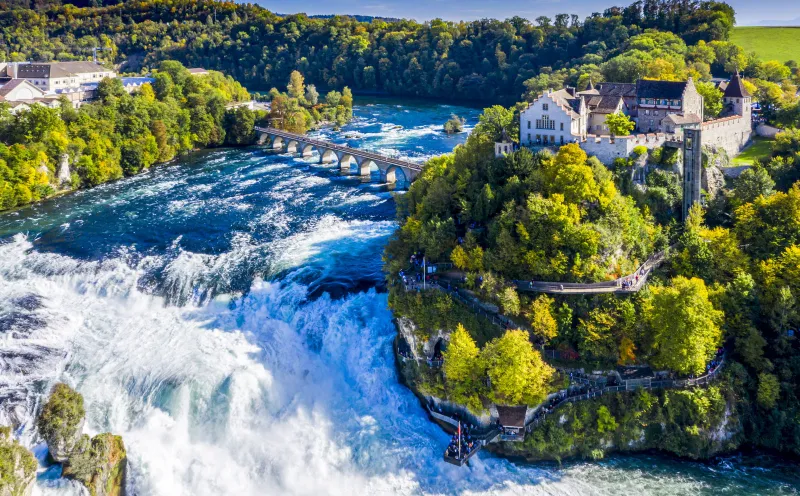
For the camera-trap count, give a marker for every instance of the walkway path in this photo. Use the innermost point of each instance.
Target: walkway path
(599, 388)
(628, 284)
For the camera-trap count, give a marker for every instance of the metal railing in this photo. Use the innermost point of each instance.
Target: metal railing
(625, 385)
(617, 285)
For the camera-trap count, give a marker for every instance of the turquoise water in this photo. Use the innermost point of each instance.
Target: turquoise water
(225, 315)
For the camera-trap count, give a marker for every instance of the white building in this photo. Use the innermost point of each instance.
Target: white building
(554, 118)
(18, 90)
(56, 77)
(19, 95)
(661, 110)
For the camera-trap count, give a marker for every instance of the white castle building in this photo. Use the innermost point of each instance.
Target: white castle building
(660, 110)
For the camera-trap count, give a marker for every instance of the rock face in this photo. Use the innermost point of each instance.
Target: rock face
(99, 464)
(61, 421)
(64, 175)
(713, 181)
(17, 466)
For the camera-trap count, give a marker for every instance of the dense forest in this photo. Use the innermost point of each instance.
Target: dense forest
(488, 60)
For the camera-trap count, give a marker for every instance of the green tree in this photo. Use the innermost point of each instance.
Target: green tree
(683, 324)
(751, 184)
(463, 369)
(619, 124)
(312, 95)
(769, 390)
(333, 98)
(509, 300)
(240, 126)
(712, 98)
(605, 421)
(517, 373)
(541, 318)
(296, 87)
(495, 121)
(347, 99)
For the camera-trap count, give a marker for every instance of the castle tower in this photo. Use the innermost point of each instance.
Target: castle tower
(692, 167)
(736, 98)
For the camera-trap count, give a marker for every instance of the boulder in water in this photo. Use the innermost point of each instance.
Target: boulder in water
(99, 464)
(61, 421)
(17, 466)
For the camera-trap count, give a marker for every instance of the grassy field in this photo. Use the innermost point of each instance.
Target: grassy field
(781, 44)
(762, 147)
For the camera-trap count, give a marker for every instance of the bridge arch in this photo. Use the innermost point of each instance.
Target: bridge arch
(327, 156)
(367, 167)
(396, 175)
(346, 161)
(292, 146)
(308, 150)
(277, 143)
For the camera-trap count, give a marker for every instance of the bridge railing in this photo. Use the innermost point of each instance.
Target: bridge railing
(341, 148)
(643, 272)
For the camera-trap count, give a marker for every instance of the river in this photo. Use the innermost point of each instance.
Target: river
(225, 315)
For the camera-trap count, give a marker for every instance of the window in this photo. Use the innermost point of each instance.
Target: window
(545, 123)
(529, 136)
(562, 126)
(539, 138)
(647, 112)
(529, 124)
(655, 112)
(552, 139)
(562, 139)
(545, 107)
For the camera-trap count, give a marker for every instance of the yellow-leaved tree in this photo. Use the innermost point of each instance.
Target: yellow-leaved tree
(684, 325)
(463, 370)
(516, 371)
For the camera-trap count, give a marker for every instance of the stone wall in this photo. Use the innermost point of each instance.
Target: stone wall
(767, 131)
(608, 149)
(729, 133)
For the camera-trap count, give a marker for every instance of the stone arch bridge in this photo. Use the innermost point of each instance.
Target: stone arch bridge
(391, 170)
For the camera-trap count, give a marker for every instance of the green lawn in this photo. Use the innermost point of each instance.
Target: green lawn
(781, 44)
(761, 147)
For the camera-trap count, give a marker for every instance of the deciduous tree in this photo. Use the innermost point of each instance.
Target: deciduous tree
(684, 325)
(517, 373)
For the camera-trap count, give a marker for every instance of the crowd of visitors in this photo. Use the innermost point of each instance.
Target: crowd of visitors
(462, 444)
(632, 281)
(715, 362)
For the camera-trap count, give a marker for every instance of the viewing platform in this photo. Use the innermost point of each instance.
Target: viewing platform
(392, 170)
